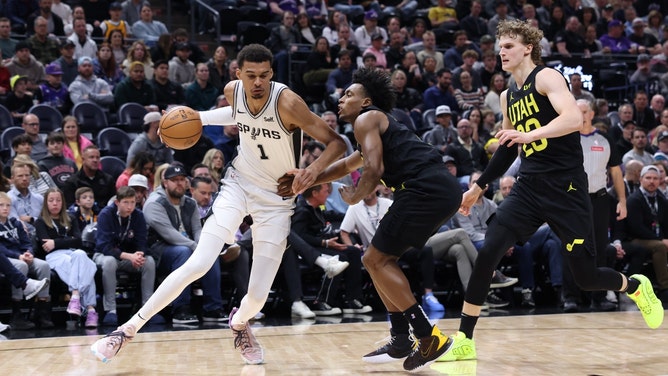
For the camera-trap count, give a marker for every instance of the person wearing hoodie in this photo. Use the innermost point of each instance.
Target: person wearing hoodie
(87, 87)
(24, 64)
(149, 141)
(174, 234)
(121, 244)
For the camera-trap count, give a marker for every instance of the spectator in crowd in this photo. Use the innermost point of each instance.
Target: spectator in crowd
(201, 95)
(40, 181)
(443, 16)
(615, 42)
(182, 70)
(215, 161)
(19, 12)
(84, 46)
(658, 104)
(138, 52)
(75, 142)
(68, 64)
(17, 263)
(218, 72)
(63, 10)
(474, 23)
(88, 88)
(443, 132)
(19, 100)
(370, 27)
(646, 223)
(644, 42)
(468, 154)
(643, 74)
(55, 25)
(341, 77)
(408, 99)
(175, 233)
(131, 10)
(118, 48)
(570, 40)
(53, 92)
(639, 141)
(121, 243)
(60, 240)
(166, 92)
(319, 63)
(642, 113)
(26, 204)
(496, 87)
(149, 141)
(468, 96)
(78, 12)
(307, 32)
(500, 14)
(54, 163)
(281, 42)
(43, 47)
(135, 89)
(577, 90)
(441, 93)
(115, 22)
(7, 44)
(24, 64)
(105, 66)
(346, 41)
(30, 125)
(429, 49)
(143, 163)
(180, 35)
(148, 29)
(277, 9)
(90, 176)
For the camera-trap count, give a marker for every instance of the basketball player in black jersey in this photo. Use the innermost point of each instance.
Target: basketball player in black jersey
(540, 114)
(425, 196)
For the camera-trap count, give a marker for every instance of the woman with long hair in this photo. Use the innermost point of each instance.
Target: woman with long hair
(480, 134)
(59, 240)
(496, 86)
(654, 24)
(415, 34)
(142, 163)
(306, 30)
(139, 52)
(408, 99)
(330, 31)
(218, 70)
(105, 67)
(215, 160)
(116, 41)
(319, 62)
(557, 21)
(75, 143)
(163, 48)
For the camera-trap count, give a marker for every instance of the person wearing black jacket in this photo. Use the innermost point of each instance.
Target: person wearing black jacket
(647, 224)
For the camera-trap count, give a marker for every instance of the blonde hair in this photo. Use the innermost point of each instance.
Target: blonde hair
(208, 161)
(525, 33)
(23, 160)
(157, 175)
(5, 196)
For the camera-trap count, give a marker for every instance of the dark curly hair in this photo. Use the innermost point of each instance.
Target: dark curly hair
(377, 86)
(254, 53)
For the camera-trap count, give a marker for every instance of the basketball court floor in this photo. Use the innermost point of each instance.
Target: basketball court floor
(508, 343)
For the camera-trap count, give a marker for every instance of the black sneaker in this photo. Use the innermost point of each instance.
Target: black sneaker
(428, 350)
(354, 306)
(216, 315)
(183, 316)
(493, 301)
(324, 309)
(499, 280)
(397, 347)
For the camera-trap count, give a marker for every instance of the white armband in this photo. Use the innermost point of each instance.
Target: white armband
(220, 116)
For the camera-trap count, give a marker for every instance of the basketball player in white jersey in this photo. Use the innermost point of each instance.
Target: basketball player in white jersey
(270, 118)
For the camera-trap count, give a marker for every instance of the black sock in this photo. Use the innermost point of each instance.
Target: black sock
(467, 324)
(398, 322)
(632, 285)
(419, 321)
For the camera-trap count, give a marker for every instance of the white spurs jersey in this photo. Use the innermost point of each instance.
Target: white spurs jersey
(266, 149)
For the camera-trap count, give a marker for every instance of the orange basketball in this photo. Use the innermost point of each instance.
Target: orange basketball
(180, 127)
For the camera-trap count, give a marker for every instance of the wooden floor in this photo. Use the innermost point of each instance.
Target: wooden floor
(616, 343)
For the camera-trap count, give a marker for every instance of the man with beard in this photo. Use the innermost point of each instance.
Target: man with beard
(174, 230)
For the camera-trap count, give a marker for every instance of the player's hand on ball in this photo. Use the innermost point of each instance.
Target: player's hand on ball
(285, 185)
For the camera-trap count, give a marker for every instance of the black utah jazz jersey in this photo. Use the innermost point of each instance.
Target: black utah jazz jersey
(529, 110)
(405, 155)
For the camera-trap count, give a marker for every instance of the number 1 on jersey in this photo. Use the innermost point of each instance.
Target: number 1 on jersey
(262, 154)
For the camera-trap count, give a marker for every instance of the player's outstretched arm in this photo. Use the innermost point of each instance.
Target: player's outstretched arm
(295, 114)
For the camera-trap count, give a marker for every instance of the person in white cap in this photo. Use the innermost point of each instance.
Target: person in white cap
(150, 142)
(443, 133)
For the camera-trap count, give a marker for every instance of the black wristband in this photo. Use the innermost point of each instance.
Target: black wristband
(498, 165)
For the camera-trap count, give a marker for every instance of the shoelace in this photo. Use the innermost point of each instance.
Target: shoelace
(242, 339)
(116, 339)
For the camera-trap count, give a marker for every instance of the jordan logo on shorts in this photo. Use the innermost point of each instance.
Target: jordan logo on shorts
(571, 187)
